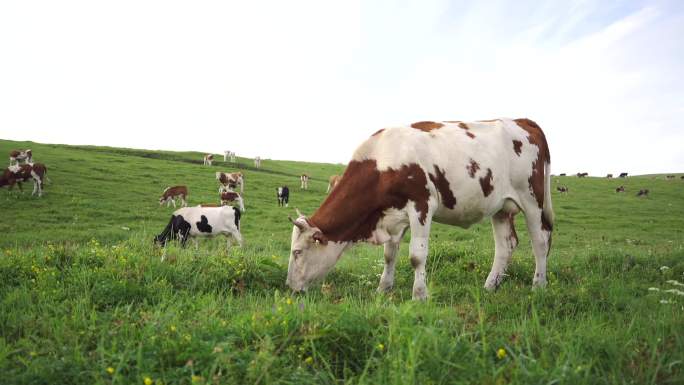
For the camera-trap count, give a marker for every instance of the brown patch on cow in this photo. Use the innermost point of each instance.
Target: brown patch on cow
(536, 137)
(229, 196)
(486, 183)
(467, 129)
(472, 168)
(442, 184)
(15, 153)
(517, 147)
(378, 132)
(352, 210)
(427, 126)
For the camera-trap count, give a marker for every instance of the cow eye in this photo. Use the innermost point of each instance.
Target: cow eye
(296, 253)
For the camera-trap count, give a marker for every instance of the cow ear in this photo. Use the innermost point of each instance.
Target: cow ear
(320, 238)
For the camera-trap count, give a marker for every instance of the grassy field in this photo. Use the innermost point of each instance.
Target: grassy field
(85, 299)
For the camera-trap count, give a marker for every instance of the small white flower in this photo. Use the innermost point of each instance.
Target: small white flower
(653, 289)
(663, 268)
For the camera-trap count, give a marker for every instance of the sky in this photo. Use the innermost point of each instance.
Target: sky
(311, 80)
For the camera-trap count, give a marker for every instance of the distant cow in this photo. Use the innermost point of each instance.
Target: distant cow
(231, 180)
(18, 174)
(623, 175)
(283, 194)
(681, 177)
(332, 182)
(192, 222)
(642, 193)
(670, 177)
(257, 162)
(228, 196)
(563, 174)
(208, 159)
(227, 155)
(620, 189)
(17, 155)
(171, 193)
(582, 174)
(609, 176)
(562, 189)
(305, 181)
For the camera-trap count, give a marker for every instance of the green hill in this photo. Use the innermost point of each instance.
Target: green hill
(86, 299)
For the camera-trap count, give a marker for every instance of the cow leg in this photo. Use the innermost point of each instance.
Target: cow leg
(540, 237)
(35, 187)
(173, 200)
(387, 278)
(184, 203)
(505, 240)
(238, 237)
(418, 251)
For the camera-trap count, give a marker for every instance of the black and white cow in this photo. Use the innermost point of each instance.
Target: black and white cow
(283, 195)
(198, 221)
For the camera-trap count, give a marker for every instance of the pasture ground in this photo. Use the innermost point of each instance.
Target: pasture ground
(85, 299)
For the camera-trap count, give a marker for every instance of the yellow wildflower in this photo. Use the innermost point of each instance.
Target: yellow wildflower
(308, 360)
(381, 347)
(173, 328)
(110, 370)
(289, 301)
(196, 378)
(501, 353)
(147, 381)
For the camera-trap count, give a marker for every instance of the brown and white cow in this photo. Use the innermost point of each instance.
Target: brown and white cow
(227, 196)
(620, 189)
(231, 180)
(332, 182)
(304, 179)
(17, 155)
(208, 159)
(171, 193)
(20, 173)
(446, 177)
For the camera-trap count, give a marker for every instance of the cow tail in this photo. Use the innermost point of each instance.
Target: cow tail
(547, 209)
(237, 217)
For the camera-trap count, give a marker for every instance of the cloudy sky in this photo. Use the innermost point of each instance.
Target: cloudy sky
(310, 80)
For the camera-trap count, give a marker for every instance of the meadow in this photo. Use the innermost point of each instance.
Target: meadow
(85, 298)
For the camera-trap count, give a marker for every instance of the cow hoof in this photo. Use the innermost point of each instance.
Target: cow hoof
(420, 294)
(538, 284)
(493, 281)
(384, 288)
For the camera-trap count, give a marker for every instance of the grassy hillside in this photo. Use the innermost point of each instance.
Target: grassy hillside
(84, 297)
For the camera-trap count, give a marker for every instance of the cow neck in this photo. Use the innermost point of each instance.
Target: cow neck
(350, 212)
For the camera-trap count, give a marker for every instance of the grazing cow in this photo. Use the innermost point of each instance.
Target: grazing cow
(681, 177)
(562, 189)
(642, 193)
(623, 175)
(231, 180)
(620, 189)
(283, 194)
(670, 177)
(257, 162)
(171, 193)
(305, 181)
(609, 176)
(227, 196)
(446, 177)
(563, 174)
(18, 174)
(582, 174)
(208, 159)
(332, 182)
(17, 155)
(192, 222)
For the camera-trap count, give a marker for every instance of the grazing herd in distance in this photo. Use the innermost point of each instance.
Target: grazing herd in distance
(619, 189)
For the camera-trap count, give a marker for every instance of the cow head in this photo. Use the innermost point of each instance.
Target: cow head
(312, 255)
